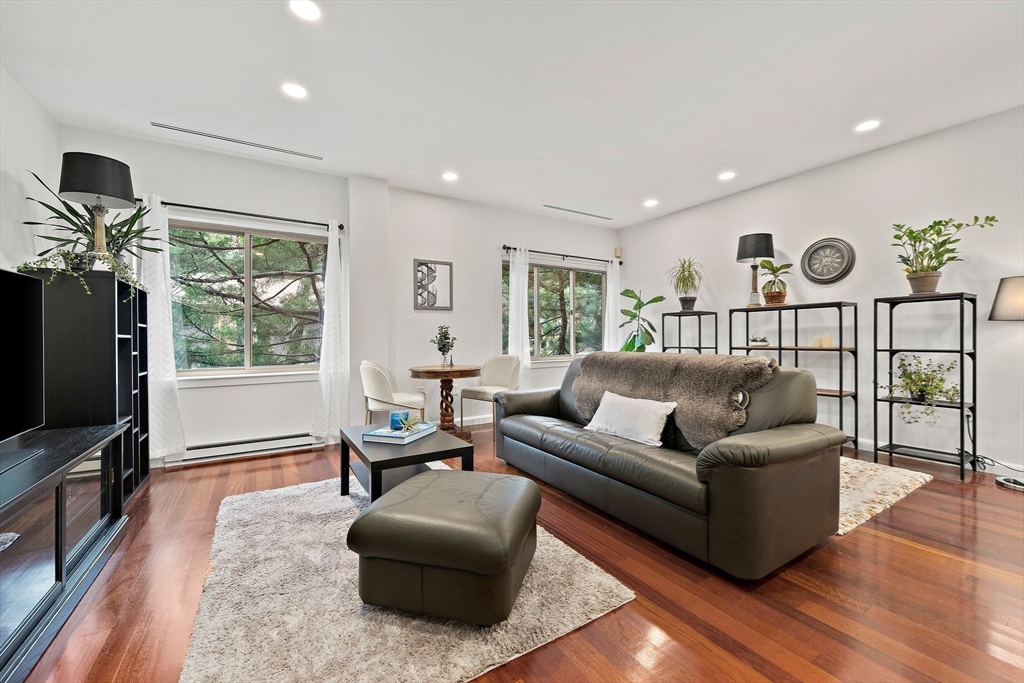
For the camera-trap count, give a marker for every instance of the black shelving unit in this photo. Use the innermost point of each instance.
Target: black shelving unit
(964, 352)
(694, 315)
(847, 348)
(96, 358)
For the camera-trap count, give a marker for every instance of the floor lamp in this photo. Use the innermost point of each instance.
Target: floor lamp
(755, 246)
(1009, 305)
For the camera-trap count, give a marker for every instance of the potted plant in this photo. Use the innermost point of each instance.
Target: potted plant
(67, 262)
(643, 335)
(686, 276)
(775, 289)
(921, 385)
(444, 342)
(927, 250)
(124, 235)
(757, 341)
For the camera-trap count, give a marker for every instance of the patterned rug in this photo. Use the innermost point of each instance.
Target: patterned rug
(867, 488)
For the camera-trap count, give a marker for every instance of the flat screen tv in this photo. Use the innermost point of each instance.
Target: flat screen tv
(21, 347)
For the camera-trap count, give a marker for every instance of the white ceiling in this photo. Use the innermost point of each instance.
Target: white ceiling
(591, 106)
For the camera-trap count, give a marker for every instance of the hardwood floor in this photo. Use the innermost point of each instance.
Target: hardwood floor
(931, 589)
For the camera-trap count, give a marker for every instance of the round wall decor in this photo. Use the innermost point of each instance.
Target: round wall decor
(828, 261)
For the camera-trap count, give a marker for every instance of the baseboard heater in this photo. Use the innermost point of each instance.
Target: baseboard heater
(245, 448)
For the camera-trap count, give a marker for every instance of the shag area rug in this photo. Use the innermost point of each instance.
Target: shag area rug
(282, 604)
(867, 488)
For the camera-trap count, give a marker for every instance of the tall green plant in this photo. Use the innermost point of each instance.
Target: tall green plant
(124, 235)
(643, 335)
(686, 276)
(927, 250)
(775, 273)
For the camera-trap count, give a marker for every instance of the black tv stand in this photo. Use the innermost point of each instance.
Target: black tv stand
(65, 514)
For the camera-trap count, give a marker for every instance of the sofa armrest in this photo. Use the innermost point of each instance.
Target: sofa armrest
(542, 402)
(757, 449)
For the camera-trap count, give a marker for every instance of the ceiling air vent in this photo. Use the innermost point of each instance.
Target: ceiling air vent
(234, 140)
(578, 213)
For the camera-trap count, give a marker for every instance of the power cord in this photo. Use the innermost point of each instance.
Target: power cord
(983, 461)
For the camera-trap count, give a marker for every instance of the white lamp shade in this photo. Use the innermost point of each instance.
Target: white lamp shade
(1009, 301)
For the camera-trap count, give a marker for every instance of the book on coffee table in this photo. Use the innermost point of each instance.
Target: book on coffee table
(399, 436)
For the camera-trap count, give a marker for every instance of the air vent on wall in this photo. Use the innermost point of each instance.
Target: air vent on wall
(234, 140)
(579, 213)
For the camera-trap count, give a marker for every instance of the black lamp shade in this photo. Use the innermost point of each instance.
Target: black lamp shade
(1009, 301)
(84, 177)
(756, 245)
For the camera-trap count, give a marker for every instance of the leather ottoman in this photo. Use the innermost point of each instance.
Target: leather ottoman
(450, 544)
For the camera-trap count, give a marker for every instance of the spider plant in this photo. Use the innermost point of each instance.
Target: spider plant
(124, 235)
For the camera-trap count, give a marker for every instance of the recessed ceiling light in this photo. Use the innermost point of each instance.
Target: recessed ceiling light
(651, 202)
(727, 175)
(294, 90)
(867, 125)
(305, 9)
(450, 177)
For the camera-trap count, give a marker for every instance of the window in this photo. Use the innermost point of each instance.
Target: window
(566, 310)
(243, 299)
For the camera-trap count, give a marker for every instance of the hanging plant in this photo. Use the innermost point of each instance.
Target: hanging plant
(67, 262)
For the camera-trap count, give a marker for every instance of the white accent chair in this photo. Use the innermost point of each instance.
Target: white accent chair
(379, 392)
(500, 373)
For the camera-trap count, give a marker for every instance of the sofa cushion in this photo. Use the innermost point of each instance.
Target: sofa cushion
(668, 474)
(636, 419)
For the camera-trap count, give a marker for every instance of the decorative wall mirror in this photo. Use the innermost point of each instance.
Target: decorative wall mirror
(432, 285)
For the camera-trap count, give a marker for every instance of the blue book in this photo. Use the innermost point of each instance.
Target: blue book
(398, 436)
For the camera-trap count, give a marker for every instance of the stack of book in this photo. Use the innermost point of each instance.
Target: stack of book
(400, 436)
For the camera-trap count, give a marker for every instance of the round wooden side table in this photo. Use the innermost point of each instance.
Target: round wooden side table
(447, 374)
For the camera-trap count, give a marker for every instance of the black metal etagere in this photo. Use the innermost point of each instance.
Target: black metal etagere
(847, 346)
(967, 408)
(699, 317)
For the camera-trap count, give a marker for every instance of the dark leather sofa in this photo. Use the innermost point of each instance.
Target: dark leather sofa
(746, 504)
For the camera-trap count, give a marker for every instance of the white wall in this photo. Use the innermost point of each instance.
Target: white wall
(29, 141)
(972, 169)
(470, 236)
(217, 410)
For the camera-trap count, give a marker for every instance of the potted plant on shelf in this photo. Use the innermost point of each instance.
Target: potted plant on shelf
(921, 384)
(775, 289)
(758, 341)
(927, 250)
(643, 335)
(124, 235)
(686, 276)
(445, 342)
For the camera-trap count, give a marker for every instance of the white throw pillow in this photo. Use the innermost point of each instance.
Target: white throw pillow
(636, 419)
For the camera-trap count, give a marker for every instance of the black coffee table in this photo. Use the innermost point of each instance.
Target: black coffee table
(380, 467)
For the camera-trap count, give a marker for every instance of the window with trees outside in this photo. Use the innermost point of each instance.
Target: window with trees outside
(566, 310)
(245, 299)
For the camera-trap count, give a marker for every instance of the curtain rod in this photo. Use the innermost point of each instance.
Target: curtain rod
(507, 249)
(341, 226)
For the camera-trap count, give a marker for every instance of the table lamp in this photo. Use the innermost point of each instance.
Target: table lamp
(755, 246)
(1009, 305)
(100, 183)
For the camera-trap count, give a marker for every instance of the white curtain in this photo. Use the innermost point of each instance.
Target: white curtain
(166, 433)
(519, 312)
(331, 411)
(612, 317)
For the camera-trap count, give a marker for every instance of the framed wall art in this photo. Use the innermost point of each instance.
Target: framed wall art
(432, 285)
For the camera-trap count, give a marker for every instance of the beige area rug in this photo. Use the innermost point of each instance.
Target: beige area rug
(867, 488)
(282, 604)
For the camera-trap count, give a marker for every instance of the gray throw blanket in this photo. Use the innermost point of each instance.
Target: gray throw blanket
(711, 391)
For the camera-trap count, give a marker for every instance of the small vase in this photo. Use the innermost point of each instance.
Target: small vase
(924, 283)
(446, 360)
